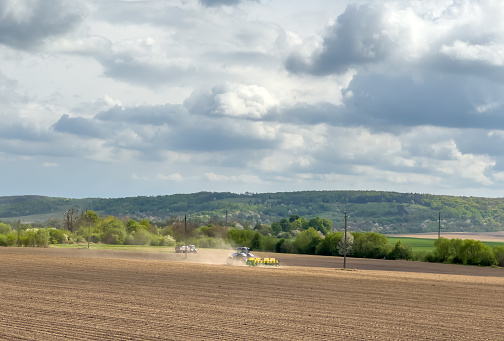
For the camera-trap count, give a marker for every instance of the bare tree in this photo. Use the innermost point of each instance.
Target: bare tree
(70, 219)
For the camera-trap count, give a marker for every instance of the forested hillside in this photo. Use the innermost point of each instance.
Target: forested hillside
(386, 212)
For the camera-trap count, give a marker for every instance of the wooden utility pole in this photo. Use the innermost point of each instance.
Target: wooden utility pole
(345, 247)
(19, 233)
(185, 232)
(439, 228)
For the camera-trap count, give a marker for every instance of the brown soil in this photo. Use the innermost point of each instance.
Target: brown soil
(56, 294)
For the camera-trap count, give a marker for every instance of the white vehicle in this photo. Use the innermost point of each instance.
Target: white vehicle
(184, 248)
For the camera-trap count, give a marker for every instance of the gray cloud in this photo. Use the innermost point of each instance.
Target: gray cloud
(215, 3)
(79, 126)
(382, 101)
(390, 102)
(26, 24)
(155, 115)
(356, 38)
(127, 68)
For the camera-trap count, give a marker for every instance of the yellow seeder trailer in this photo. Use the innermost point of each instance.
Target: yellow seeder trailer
(254, 261)
(242, 256)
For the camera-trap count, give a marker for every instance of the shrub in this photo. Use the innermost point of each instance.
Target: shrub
(400, 251)
(28, 238)
(12, 238)
(499, 254)
(444, 250)
(240, 237)
(268, 243)
(133, 226)
(162, 241)
(93, 238)
(5, 228)
(285, 235)
(329, 245)
(141, 237)
(167, 231)
(474, 252)
(255, 243)
(370, 245)
(421, 256)
(207, 242)
(58, 236)
(285, 246)
(113, 232)
(3, 240)
(113, 236)
(42, 237)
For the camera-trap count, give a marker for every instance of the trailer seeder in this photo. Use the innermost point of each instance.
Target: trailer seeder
(242, 256)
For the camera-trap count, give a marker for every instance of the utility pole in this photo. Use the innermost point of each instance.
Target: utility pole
(185, 232)
(439, 229)
(19, 233)
(226, 216)
(345, 248)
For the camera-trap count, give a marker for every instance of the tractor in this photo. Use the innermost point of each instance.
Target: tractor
(242, 256)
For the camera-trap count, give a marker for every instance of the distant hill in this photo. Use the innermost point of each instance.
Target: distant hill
(387, 212)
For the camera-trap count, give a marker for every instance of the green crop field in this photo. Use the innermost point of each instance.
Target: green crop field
(424, 244)
(416, 244)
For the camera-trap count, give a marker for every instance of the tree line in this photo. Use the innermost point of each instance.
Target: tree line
(293, 235)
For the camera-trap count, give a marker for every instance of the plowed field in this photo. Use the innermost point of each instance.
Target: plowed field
(52, 294)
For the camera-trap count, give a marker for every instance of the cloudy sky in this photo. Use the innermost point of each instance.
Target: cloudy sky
(104, 98)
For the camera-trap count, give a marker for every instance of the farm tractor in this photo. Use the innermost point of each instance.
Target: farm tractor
(242, 256)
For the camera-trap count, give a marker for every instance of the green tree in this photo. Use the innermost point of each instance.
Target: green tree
(88, 218)
(400, 251)
(286, 225)
(139, 237)
(457, 251)
(499, 254)
(284, 246)
(112, 231)
(474, 252)
(58, 236)
(134, 226)
(321, 224)
(28, 237)
(370, 245)
(276, 227)
(241, 237)
(444, 250)
(299, 224)
(255, 243)
(293, 218)
(329, 245)
(306, 242)
(42, 237)
(5, 228)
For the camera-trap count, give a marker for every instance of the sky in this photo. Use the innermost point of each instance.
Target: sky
(109, 98)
